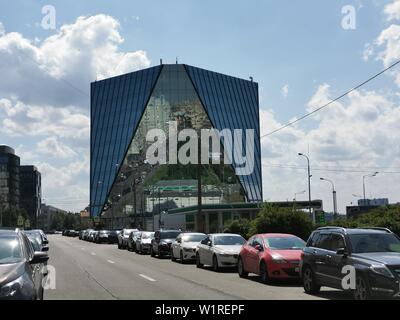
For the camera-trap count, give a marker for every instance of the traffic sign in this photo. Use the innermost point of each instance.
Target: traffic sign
(20, 221)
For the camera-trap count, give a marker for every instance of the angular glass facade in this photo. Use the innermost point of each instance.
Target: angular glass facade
(125, 108)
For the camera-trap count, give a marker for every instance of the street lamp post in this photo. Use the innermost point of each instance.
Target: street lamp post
(367, 176)
(309, 186)
(334, 196)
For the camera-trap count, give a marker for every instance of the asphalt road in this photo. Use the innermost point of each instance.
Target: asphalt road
(85, 270)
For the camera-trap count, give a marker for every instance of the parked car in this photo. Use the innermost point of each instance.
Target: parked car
(103, 236)
(219, 250)
(85, 235)
(133, 236)
(374, 253)
(271, 256)
(185, 245)
(143, 242)
(42, 241)
(161, 244)
(123, 238)
(113, 236)
(20, 278)
(37, 247)
(91, 236)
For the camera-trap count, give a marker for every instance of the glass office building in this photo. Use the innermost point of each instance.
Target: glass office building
(123, 109)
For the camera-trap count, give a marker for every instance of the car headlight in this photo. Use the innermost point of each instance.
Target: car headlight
(382, 270)
(12, 288)
(276, 258)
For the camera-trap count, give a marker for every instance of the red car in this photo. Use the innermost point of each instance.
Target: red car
(272, 256)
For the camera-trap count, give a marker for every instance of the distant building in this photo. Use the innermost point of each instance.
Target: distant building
(364, 206)
(20, 186)
(373, 202)
(46, 215)
(30, 191)
(9, 178)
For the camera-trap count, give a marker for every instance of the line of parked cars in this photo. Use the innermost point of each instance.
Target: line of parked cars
(23, 261)
(325, 259)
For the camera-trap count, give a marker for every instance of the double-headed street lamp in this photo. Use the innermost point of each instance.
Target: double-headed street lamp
(334, 196)
(309, 186)
(367, 176)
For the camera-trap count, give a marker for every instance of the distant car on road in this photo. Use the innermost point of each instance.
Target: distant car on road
(185, 245)
(143, 243)
(219, 250)
(123, 238)
(20, 279)
(271, 256)
(133, 236)
(161, 244)
(102, 236)
(374, 253)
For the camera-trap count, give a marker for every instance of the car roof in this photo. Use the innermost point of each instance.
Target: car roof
(355, 230)
(193, 233)
(224, 234)
(274, 235)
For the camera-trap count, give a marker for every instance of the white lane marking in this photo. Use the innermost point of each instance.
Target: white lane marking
(147, 278)
(92, 253)
(110, 261)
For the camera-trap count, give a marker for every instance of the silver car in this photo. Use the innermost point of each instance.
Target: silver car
(185, 245)
(144, 242)
(219, 250)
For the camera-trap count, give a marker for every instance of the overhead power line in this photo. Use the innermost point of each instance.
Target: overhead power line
(331, 101)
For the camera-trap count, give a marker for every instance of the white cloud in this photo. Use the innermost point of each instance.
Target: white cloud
(53, 148)
(356, 134)
(285, 90)
(61, 67)
(392, 10)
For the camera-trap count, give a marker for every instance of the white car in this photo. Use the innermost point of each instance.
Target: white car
(219, 250)
(144, 242)
(185, 245)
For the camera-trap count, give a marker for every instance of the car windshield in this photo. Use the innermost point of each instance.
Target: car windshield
(147, 235)
(377, 242)
(170, 234)
(285, 243)
(10, 250)
(229, 240)
(34, 235)
(35, 243)
(193, 237)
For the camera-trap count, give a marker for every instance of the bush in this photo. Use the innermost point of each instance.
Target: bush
(273, 219)
(241, 226)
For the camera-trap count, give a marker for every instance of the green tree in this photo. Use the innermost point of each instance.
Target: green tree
(241, 226)
(274, 219)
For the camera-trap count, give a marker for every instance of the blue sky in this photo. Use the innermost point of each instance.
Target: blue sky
(300, 44)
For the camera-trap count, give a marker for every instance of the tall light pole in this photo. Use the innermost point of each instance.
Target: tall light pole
(309, 186)
(367, 176)
(334, 197)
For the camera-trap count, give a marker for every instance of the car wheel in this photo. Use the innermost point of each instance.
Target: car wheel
(362, 291)
(264, 273)
(41, 294)
(309, 283)
(242, 273)
(119, 245)
(215, 266)
(172, 255)
(152, 252)
(182, 260)
(198, 263)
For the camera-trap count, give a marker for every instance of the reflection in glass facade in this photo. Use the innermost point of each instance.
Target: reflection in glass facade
(125, 108)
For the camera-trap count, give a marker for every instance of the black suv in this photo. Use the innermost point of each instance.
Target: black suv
(331, 254)
(161, 244)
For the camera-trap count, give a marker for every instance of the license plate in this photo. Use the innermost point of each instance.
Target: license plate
(297, 269)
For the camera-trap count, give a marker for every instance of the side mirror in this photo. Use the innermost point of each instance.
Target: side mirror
(341, 252)
(209, 243)
(259, 247)
(39, 257)
(45, 249)
(45, 241)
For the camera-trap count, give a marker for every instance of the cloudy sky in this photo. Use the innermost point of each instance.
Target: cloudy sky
(302, 54)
